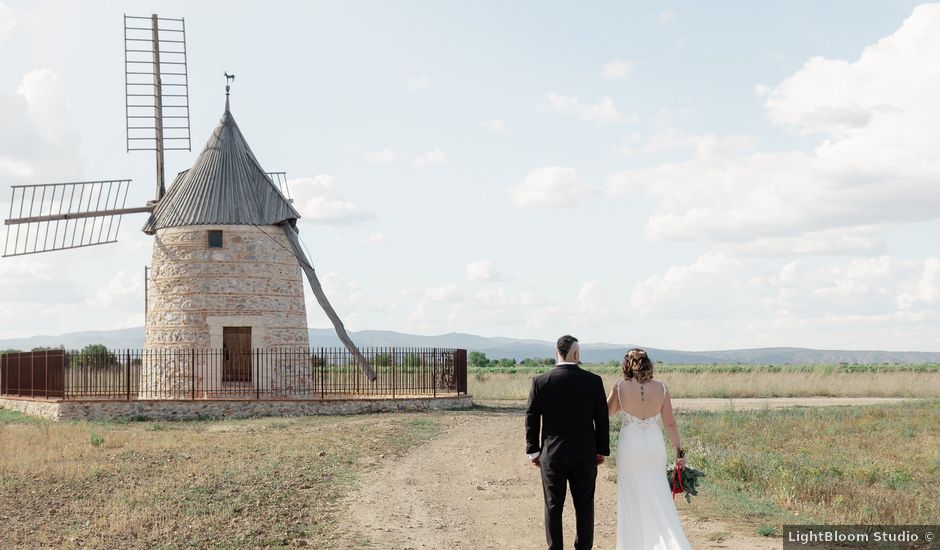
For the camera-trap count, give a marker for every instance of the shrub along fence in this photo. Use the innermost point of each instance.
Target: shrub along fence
(317, 373)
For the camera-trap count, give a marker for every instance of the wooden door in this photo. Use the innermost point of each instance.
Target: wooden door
(236, 348)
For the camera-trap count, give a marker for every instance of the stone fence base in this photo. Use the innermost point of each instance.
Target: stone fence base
(238, 408)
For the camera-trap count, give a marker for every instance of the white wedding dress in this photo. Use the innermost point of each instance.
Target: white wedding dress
(646, 514)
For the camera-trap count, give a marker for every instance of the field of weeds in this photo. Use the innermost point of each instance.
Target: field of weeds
(836, 465)
(221, 484)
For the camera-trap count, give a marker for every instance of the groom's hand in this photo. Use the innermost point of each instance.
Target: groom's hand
(536, 462)
(601, 458)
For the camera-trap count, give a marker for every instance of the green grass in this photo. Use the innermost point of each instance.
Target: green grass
(13, 417)
(838, 465)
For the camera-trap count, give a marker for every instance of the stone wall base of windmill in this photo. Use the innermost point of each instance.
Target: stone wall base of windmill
(236, 408)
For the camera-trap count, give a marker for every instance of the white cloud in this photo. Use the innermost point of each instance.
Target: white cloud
(864, 240)
(26, 279)
(700, 290)
(617, 69)
(444, 293)
(877, 163)
(551, 186)
(312, 200)
(483, 270)
(665, 17)
(495, 125)
(325, 211)
(599, 113)
(376, 239)
(15, 168)
(418, 84)
(879, 295)
(493, 311)
(317, 184)
(591, 306)
(924, 290)
(125, 291)
(429, 157)
(892, 84)
(37, 138)
(344, 294)
(703, 146)
(7, 21)
(47, 105)
(380, 156)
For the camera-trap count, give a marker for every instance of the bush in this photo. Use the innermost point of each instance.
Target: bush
(93, 355)
(382, 360)
(477, 359)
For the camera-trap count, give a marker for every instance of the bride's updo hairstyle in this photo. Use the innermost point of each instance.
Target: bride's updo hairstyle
(637, 365)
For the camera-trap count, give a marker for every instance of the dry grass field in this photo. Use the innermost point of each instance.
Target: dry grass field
(869, 465)
(297, 481)
(765, 468)
(829, 382)
(220, 484)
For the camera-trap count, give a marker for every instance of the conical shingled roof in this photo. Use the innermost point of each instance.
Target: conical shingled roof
(226, 186)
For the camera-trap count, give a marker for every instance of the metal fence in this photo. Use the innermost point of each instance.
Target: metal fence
(319, 373)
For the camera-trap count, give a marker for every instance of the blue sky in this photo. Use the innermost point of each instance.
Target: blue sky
(662, 173)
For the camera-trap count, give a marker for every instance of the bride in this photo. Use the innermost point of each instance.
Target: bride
(646, 515)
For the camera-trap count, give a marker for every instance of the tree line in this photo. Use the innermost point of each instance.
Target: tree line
(92, 354)
(479, 360)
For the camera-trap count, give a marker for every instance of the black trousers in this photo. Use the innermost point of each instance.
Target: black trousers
(557, 475)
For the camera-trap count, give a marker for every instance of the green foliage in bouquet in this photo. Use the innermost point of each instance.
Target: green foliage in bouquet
(690, 479)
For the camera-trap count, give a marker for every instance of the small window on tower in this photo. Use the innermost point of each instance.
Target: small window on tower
(215, 238)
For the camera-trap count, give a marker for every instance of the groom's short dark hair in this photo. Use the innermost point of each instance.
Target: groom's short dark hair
(564, 345)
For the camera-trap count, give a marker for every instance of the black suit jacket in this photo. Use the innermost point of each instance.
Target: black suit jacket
(566, 418)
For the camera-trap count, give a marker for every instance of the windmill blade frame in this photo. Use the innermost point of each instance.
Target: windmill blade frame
(61, 216)
(156, 88)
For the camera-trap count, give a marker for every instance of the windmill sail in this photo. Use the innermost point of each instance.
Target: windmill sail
(156, 88)
(60, 216)
(279, 179)
(291, 235)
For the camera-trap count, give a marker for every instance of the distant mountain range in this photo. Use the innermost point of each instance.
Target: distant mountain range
(498, 348)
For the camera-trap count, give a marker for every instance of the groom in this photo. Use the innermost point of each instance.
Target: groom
(568, 405)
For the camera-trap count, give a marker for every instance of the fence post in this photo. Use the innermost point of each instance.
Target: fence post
(460, 370)
(192, 364)
(322, 381)
(128, 375)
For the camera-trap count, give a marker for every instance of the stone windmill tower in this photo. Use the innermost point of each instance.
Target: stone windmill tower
(224, 273)
(227, 259)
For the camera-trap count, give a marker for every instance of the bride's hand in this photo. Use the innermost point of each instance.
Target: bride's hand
(680, 462)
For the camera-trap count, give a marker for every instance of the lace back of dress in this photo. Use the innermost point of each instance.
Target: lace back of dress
(630, 421)
(643, 423)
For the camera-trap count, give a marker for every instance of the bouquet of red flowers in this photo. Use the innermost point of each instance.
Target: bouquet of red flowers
(683, 479)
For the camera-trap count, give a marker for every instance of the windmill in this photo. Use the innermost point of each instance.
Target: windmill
(226, 244)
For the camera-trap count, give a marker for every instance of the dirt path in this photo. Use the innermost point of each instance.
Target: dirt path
(472, 488)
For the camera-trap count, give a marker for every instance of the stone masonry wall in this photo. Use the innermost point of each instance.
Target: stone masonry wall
(194, 291)
(179, 410)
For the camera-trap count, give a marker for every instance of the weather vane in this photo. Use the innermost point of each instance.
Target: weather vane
(228, 78)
